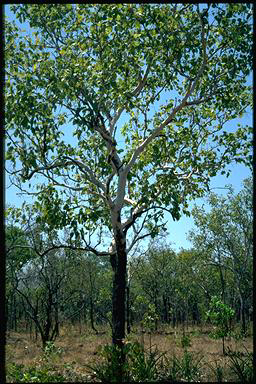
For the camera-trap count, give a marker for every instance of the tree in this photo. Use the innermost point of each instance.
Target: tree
(85, 66)
(15, 261)
(225, 235)
(39, 287)
(221, 316)
(155, 276)
(90, 280)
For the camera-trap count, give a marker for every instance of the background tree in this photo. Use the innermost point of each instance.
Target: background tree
(155, 281)
(15, 261)
(84, 67)
(89, 287)
(225, 235)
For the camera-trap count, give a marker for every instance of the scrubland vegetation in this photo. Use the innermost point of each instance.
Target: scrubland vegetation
(188, 313)
(191, 357)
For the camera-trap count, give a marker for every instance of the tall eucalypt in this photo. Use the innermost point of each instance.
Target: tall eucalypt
(116, 114)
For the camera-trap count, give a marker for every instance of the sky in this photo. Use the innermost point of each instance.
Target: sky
(177, 230)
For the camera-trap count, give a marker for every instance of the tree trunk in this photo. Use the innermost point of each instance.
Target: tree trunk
(14, 326)
(92, 314)
(166, 309)
(242, 314)
(128, 309)
(222, 280)
(119, 264)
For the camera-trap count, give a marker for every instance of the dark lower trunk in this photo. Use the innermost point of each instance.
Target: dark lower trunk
(118, 298)
(119, 263)
(242, 315)
(165, 309)
(174, 317)
(92, 315)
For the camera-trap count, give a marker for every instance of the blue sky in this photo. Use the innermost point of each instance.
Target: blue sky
(177, 230)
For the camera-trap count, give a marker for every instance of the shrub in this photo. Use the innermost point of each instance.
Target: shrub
(242, 365)
(218, 371)
(186, 369)
(185, 341)
(51, 352)
(143, 366)
(220, 315)
(19, 374)
(139, 365)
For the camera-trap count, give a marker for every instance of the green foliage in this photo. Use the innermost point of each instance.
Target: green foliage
(21, 374)
(220, 315)
(150, 318)
(185, 341)
(144, 366)
(224, 240)
(51, 351)
(83, 64)
(109, 369)
(218, 371)
(241, 365)
(187, 368)
(139, 365)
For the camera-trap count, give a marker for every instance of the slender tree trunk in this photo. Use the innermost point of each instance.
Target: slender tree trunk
(165, 305)
(92, 314)
(174, 317)
(187, 314)
(242, 314)
(14, 314)
(222, 280)
(155, 303)
(128, 308)
(92, 301)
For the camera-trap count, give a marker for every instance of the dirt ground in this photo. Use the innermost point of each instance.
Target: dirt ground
(80, 347)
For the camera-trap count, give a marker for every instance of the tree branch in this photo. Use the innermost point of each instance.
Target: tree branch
(182, 104)
(135, 93)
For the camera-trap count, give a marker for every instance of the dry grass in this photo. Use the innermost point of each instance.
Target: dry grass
(82, 348)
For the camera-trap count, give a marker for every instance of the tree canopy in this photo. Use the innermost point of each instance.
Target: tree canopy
(85, 66)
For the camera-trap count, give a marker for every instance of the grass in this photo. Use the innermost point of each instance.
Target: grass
(74, 351)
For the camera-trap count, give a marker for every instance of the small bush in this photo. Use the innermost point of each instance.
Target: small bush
(19, 374)
(185, 341)
(51, 352)
(186, 369)
(142, 365)
(109, 369)
(242, 365)
(139, 365)
(218, 371)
